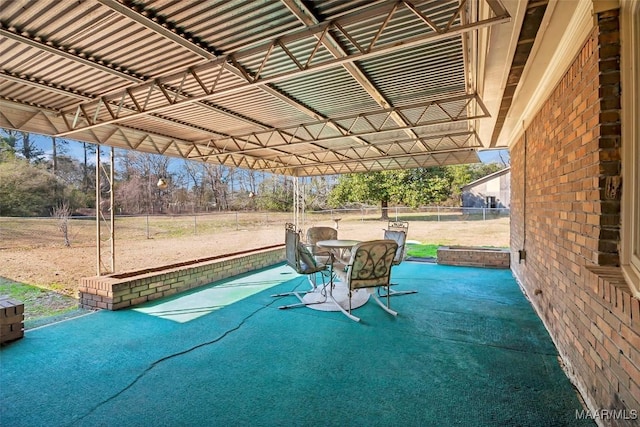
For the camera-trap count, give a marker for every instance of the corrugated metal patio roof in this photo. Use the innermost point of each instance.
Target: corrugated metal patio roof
(286, 86)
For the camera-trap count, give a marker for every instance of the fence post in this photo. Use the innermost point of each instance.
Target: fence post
(438, 210)
(484, 214)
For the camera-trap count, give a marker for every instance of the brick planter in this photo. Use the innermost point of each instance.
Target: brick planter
(474, 256)
(121, 290)
(11, 319)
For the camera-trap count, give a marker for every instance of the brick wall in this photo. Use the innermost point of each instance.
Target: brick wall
(565, 212)
(11, 319)
(473, 256)
(117, 291)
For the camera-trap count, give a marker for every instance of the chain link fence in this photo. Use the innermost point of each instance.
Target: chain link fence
(426, 213)
(16, 233)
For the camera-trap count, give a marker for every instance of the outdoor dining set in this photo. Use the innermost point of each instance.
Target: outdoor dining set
(343, 273)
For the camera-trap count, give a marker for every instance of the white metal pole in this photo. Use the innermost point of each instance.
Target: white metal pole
(112, 217)
(98, 210)
(303, 206)
(295, 202)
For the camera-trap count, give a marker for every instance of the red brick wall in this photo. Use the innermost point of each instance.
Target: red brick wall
(117, 291)
(473, 256)
(11, 319)
(565, 212)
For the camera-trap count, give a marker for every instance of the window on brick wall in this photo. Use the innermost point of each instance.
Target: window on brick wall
(630, 98)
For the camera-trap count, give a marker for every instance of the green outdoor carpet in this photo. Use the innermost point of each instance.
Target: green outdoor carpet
(466, 350)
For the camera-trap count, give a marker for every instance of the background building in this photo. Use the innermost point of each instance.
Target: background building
(491, 191)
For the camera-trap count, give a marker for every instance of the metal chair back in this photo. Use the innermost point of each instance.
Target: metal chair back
(315, 234)
(397, 231)
(370, 264)
(298, 256)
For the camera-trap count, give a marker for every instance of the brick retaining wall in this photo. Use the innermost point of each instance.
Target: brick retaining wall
(117, 291)
(474, 256)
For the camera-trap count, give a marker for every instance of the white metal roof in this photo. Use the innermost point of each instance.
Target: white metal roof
(287, 86)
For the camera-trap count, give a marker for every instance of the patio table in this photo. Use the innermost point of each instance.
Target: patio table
(317, 300)
(341, 248)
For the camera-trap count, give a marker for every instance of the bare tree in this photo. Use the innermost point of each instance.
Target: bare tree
(504, 158)
(87, 149)
(317, 191)
(218, 177)
(62, 212)
(129, 195)
(137, 190)
(59, 147)
(193, 172)
(29, 150)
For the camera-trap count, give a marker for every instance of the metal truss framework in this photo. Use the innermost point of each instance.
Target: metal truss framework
(413, 116)
(206, 81)
(215, 78)
(344, 160)
(389, 136)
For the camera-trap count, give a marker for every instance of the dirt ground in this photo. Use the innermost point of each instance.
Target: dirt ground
(36, 255)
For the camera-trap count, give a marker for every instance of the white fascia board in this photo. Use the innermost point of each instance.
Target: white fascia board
(562, 34)
(497, 46)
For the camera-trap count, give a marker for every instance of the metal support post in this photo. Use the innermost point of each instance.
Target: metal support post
(100, 218)
(98, 246)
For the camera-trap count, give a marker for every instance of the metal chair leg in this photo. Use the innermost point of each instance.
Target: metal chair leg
(345, 312)
(381, 304)
(391, 292)
(298, 294)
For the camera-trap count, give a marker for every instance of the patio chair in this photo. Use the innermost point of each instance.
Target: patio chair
(302, 261)
(369, 268)
(314, 235)
(397, 231)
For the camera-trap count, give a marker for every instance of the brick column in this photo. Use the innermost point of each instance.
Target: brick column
(11, 320)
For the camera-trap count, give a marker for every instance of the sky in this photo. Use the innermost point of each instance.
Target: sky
(494, 156)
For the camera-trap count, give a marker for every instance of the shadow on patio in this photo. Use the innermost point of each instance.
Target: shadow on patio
(467, 349)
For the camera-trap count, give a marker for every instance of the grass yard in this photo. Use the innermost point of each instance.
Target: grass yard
(36, 267)
(422, 251)
(40, 303)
